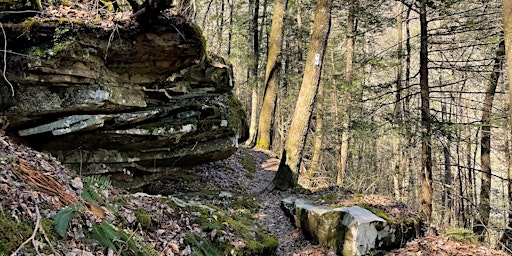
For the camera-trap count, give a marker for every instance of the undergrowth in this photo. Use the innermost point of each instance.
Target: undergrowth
(462, 235)
(116, 238)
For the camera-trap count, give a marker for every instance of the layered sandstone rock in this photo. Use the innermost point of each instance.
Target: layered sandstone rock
(129, 101)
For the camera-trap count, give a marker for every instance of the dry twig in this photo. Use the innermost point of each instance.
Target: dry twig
(5, 59)
(32, 237)
(44, 183)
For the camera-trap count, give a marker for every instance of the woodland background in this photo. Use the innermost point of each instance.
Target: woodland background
(367, 128)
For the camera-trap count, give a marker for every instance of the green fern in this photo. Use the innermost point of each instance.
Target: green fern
(203, 247)
(93, 186)
(99, 233)
(119, 240)
(64, 216)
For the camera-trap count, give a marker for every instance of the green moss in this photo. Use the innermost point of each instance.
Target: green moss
(462, 235)
(330, 198)
(205, 58)
(143, 218)
(366, 206)
(13, 233)
(248, 164)
(240, 223)
(358, 195)
(380, 213)
(29, 24)
(246, 201)
(256, 240)
(224, 166)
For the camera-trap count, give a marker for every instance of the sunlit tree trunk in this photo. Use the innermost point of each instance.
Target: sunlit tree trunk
(412, 181)
(220, 25)
(230, 28)
(347, 97)
(507, 24)
(426, 140)
(446, 196)
(317, 145)
(298, 5)
(469, 181)
(253, 69)
(484, 206)
(288, 172)
(397, 148)
(263, 139)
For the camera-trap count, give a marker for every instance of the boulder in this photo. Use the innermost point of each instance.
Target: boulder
(124, 100)
(348, 230)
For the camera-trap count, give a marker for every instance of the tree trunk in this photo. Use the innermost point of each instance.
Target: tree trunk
(484, 206)
(446, 196)
(413, 189)
(299, 30)
(263, 139)
(397, 113)
(253, 69)
(426, 140)
(507, 24)
(288, 172)
(347, 97)
(317, 147)
(230, 29)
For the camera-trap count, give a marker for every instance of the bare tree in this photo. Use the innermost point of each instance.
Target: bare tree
(263, 139)
(288, 173)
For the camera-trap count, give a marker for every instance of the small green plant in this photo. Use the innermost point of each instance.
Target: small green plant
(120, 240)
(248, 163)
(12, 233)
(143, 218)
(93, 188)
(202, 247)
(64, 216)
(462, 235)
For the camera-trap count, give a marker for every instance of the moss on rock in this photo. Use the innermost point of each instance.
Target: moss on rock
(143, 218)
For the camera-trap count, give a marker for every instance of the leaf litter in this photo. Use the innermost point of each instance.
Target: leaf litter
(170, 226)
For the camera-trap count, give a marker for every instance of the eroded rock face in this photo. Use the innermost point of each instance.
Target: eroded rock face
(349, 230)
(123, 100)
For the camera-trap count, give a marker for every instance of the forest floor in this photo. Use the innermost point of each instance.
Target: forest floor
(34, 187)
(270, 215)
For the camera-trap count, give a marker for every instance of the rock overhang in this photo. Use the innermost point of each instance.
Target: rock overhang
(144, 99)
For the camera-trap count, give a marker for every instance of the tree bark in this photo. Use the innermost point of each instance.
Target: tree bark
(446, 196)
(230, 29)
(347, 97)
(288, 173)
(264, 139)
(317, 145)
(426, 140)
(299, 30)
(397, 144)
(484, 206)
(253, 69)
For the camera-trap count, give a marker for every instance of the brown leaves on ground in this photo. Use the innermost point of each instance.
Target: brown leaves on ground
(431, 245)
(394, 209)
(34, 185)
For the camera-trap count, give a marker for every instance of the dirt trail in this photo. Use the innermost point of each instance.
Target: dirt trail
(270, 215)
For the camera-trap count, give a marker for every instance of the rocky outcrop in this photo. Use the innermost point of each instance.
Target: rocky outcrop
(348, 230)
(125, 100)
